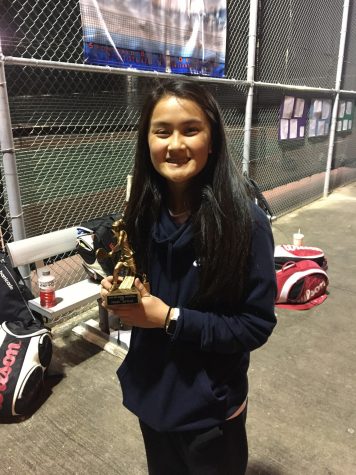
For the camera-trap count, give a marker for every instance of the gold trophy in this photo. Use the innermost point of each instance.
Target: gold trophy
(123, 290)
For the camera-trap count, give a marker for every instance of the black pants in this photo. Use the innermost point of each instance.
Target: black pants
(218, 451)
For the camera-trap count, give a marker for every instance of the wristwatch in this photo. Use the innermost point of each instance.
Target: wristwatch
(172, 324)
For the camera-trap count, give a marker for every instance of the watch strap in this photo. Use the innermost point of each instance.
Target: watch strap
(172, 322)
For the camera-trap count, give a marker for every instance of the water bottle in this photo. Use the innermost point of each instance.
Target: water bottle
(46, 284)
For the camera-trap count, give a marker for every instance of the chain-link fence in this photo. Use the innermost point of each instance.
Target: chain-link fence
(299, 42)
(74, 125)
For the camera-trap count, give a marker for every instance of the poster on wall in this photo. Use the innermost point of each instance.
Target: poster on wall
(175, 36)
(345, 116)
(319, 117)
(293, 117)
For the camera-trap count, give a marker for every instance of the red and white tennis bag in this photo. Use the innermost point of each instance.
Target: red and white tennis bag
(289, 253)
(301, 285)
(25, 354)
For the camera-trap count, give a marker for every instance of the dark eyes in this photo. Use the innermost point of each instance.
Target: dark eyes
(162, 133)
(189, 132)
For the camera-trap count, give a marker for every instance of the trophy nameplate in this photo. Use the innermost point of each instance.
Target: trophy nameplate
(126, 293)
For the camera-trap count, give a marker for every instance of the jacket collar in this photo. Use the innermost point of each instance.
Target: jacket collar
(166, 231)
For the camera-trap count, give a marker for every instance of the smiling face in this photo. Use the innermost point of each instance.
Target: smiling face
(179, 139)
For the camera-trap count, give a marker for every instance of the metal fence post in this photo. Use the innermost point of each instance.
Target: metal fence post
(340, 63)
(250, 78)
(9, 167)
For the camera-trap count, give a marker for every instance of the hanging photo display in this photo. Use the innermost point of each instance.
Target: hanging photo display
(183, 37)
(293, 116)
(345, 116)
(319, 117)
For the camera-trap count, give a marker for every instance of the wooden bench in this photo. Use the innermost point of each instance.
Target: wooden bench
(35, 250)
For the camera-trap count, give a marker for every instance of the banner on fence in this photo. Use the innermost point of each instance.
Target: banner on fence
(183, 37)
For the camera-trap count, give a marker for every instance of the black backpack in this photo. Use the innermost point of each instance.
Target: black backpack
(25, 346)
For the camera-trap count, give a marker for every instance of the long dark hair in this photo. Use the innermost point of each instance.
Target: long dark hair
(221, 210)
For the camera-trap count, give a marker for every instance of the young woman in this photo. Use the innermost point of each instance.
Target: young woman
(207, 250)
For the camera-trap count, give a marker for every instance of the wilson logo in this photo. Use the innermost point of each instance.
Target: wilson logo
(6, 280)
(8, 361)
(309, 294)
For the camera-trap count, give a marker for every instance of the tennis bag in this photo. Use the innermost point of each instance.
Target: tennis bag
(290, 253)
(25, 354)
(301, 285)
(25, 346)
(14, 294)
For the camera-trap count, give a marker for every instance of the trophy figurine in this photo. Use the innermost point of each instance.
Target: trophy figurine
(123, 290)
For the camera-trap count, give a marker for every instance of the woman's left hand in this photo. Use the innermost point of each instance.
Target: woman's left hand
(149, 313)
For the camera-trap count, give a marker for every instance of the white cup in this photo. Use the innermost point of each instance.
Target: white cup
(298, 239)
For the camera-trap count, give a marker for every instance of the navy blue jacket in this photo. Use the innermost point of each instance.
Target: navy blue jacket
(197, 378)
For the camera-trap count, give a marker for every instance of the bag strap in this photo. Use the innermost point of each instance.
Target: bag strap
(257, 194)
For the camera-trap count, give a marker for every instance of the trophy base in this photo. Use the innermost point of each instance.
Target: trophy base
(122, 297)
(126, 293)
